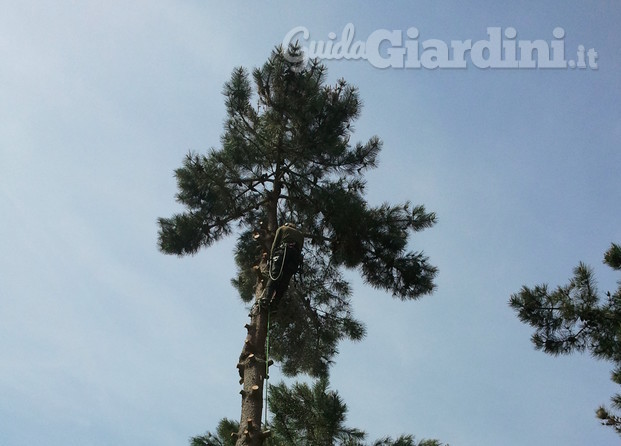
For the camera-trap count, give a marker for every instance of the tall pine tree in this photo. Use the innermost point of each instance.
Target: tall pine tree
(575, 318)
(286, 156)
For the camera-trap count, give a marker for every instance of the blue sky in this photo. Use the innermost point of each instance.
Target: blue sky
(104, 340)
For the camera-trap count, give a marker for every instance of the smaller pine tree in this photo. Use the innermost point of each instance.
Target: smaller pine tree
(304, 415)
(576, 318)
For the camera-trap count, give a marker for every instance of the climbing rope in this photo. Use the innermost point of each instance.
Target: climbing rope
(267, 338)
(282, 264)
(267, 358)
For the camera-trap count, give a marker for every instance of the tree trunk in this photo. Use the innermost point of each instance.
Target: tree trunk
(252, 364)
(252, 370)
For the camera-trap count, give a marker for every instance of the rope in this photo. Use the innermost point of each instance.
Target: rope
(267, 354)
(282, 264)
(267, 338)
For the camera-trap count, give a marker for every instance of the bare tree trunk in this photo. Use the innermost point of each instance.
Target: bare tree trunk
(252, 370)
(252, 360)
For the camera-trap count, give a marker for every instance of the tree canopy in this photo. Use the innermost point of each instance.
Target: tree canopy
(576, 318)
(286, 155)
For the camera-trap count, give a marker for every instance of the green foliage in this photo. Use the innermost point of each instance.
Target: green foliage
(613, 257)
(314, 330)
(304, 415)
(574, 318)
(247, 251)
(406, 440)
(289, 158)
(222, 437)
(309, 416)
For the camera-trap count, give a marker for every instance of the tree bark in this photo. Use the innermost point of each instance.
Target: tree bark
(252, 370)
(252, 360)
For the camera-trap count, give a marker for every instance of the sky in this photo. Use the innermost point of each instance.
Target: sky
(105, 340)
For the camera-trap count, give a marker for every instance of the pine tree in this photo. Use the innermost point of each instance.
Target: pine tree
(306, 415)
(575, 318)
(289, 159)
